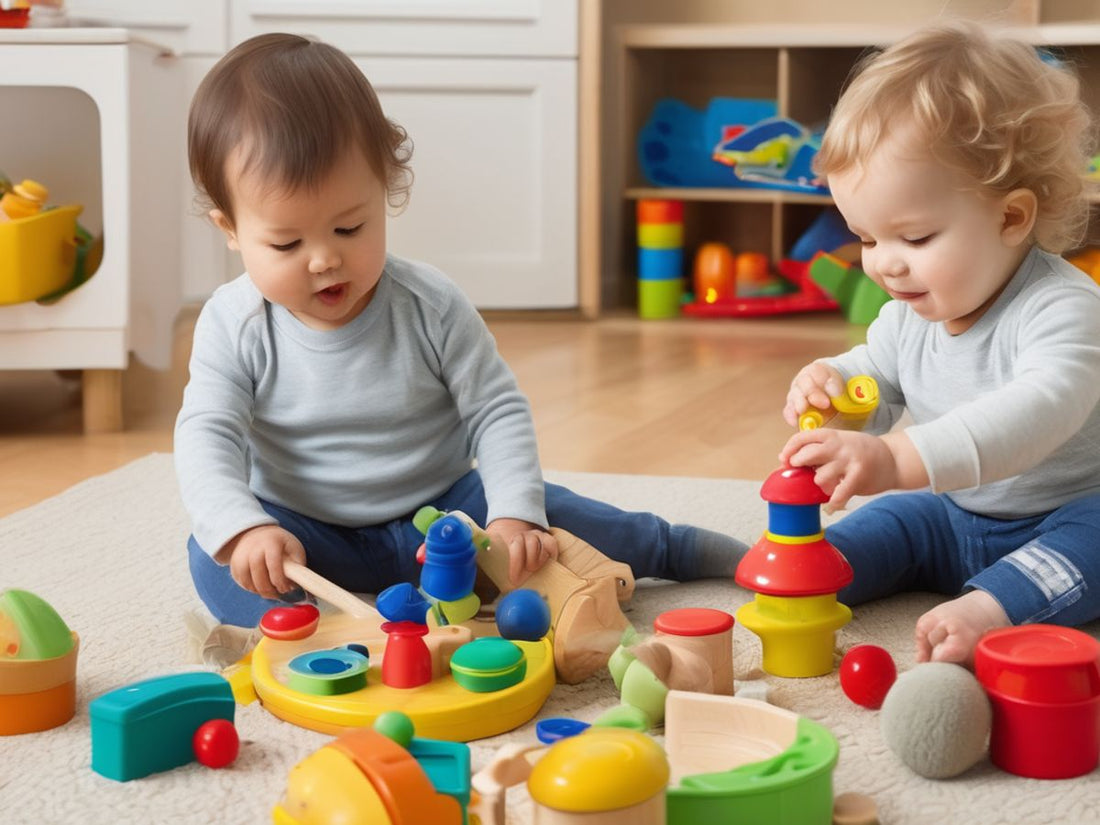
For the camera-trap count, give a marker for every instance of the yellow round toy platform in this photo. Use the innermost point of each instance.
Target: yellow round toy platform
(441, 709)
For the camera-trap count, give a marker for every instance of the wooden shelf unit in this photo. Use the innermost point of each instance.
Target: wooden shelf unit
(803, 67)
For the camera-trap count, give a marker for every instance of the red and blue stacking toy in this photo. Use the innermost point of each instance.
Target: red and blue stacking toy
(660, 258)
(796, 575)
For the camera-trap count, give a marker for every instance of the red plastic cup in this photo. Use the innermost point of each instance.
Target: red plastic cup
(1043, 682)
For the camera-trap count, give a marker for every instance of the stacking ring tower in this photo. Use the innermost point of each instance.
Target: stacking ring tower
(795, 574)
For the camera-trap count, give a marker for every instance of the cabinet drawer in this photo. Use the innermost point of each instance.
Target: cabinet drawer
(185, 26)
(482, 28)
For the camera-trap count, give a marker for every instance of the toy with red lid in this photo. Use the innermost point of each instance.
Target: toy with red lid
(795, 574)
(691, 649)
(1044, 684)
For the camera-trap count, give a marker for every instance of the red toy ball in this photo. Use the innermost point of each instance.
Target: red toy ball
(216, 743)
(867, 673)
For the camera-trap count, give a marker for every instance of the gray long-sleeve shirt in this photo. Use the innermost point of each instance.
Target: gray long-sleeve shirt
(1006, 415)
(353, 426)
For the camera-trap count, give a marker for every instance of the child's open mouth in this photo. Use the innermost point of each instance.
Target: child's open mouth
(333, 294)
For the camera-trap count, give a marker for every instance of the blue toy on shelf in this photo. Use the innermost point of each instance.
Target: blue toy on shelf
(683, 146)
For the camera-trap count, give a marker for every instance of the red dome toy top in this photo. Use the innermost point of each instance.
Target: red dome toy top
(792, 485)
(811, 569)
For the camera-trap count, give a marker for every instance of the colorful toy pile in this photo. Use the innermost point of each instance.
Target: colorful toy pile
(660, 258)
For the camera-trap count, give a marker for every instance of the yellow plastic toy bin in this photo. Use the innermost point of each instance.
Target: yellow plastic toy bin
(38, 254)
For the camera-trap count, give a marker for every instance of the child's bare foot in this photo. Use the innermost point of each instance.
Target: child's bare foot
(949, 632)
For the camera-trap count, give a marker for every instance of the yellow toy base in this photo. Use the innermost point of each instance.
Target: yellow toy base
(440, 709)
(797, 634)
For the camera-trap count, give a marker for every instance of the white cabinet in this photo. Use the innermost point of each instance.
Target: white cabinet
(487, 89)
(493, 201)
(101, 125)
(429, 28)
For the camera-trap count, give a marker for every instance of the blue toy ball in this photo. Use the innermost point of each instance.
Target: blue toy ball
(523, 615)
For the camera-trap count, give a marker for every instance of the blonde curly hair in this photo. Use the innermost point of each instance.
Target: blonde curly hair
(989, 107)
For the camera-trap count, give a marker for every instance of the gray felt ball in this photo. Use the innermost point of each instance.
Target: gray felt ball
(937, 719)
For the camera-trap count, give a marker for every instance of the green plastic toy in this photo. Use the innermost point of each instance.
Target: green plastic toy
(859, 297)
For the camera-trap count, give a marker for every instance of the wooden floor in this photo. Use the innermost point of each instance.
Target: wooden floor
(619, 395)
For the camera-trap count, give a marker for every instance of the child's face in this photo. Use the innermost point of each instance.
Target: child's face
(944, 250)
(318, 253)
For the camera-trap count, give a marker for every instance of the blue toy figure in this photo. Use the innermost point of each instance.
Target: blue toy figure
(450, 560)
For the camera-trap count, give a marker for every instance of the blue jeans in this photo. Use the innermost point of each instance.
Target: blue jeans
(1043, 568)
(370, 559)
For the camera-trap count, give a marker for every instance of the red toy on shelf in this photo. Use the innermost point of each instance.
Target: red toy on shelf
(807, 297)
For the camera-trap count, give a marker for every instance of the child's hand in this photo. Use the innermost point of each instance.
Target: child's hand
(814, 385)
(529, 546)
(256, 559)
(950, 631)
(847, 463)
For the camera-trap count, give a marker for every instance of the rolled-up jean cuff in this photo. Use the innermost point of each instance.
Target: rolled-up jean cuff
(1022, 600)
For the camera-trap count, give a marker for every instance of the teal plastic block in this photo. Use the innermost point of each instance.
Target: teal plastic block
(147, 727)
(447, 765)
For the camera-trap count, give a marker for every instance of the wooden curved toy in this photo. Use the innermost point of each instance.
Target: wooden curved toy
(331, 592)
(583, 588)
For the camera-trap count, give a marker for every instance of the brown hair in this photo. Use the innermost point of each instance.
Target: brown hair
(293, 106)
(987, 107)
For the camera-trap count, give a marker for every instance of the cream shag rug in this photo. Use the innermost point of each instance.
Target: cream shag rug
(109, 555)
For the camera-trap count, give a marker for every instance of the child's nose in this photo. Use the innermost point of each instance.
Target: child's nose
(892, 265)
(322, 260)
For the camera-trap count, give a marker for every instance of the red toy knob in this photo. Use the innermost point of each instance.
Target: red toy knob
(297, 621)
(867, 672)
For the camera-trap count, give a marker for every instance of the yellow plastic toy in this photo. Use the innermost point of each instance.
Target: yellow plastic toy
(797, 634)
(37, 254)
(796, 575)
(364, 778)
(603, 775)
(582, 589)
(441, 709)
(849, 411)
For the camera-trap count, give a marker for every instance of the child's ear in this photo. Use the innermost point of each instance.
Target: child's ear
(1018, 212)
(221, 220)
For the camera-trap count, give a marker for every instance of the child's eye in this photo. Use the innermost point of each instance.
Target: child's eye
(866, 244)
(353, 230)
(921, 241)
(285, 247)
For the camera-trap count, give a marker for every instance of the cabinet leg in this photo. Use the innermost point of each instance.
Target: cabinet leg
(102, 401)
